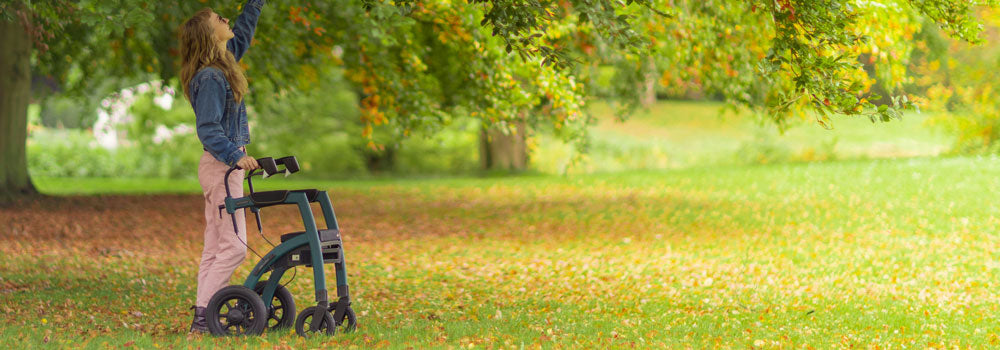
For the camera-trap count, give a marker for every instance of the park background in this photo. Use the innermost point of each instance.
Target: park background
(685, 222)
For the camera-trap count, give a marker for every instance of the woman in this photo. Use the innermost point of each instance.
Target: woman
(215, 85)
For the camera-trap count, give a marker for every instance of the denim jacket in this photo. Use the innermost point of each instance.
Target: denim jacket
(221, 122)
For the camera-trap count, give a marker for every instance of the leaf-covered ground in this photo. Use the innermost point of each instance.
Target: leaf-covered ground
(828, 255)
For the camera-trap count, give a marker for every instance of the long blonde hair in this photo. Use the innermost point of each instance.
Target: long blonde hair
(199, 49)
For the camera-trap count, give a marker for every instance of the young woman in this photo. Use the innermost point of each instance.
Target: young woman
(215, 85)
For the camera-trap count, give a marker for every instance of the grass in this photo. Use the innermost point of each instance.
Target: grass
(826, 255)
(728, 239)
(674, 135)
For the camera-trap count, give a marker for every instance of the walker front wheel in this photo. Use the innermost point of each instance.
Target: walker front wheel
(303, 323)
(349, 323)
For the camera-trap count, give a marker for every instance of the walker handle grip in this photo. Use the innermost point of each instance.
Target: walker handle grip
(268, 165)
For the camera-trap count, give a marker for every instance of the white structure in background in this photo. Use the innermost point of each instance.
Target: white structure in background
(114, 112)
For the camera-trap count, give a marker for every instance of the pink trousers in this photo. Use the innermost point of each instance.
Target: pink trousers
(223, 251)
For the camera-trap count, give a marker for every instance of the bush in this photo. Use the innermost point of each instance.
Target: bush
(606, 152)
(451, 151)
(75, 153)
(321, 127)
(763, 149)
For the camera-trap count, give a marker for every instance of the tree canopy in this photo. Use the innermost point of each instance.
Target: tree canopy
(419, 64)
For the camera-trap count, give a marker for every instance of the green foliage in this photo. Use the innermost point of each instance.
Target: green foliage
(956, 17)
(72, 153)
(67, 113)
(975, 122)
(670, 135)
(75, 153)
(419, 65)
(450, 151)
(318, 124)
(158, 142)
(959, 83)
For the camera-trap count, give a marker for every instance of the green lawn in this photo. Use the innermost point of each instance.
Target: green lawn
(674, 135)
(729, 239)
(825, 255)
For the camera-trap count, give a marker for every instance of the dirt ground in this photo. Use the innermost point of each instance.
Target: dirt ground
(151, 224)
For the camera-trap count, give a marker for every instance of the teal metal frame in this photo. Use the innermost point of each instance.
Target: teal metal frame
(312, 239)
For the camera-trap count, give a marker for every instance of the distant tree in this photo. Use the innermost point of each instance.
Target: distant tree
(958, 83)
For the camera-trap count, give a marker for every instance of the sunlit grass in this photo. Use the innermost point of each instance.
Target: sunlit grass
(678, 134)
(825, 255)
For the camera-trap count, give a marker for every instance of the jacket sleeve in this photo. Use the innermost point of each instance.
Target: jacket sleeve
(209, 99)
(245, 26)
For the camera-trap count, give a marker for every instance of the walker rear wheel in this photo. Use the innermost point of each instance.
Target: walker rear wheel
(236, 310)
(281, 314)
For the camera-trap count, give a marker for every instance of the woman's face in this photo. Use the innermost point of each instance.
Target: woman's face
(221, 28)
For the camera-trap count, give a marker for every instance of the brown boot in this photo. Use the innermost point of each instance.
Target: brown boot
(199, 324)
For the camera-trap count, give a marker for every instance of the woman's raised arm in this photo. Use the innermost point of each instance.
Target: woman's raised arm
(244, 28)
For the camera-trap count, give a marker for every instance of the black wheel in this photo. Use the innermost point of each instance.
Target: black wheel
(303, 323)
(236, 310)
(349, 323)
(281, 314)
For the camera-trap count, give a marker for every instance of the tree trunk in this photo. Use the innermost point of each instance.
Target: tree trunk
(15, 92)
(380, 161)
(648, 85)
(499, 151)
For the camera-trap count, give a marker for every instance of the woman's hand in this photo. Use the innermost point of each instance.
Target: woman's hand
(248, 163)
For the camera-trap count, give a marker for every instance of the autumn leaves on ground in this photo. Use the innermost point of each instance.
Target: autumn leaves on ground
(812, 255)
